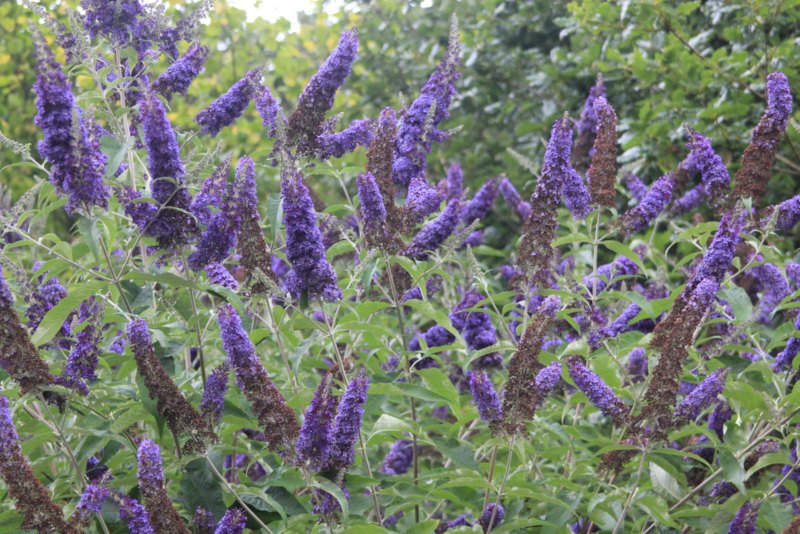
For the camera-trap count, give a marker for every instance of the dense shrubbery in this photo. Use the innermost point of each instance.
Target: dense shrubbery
(412, 351)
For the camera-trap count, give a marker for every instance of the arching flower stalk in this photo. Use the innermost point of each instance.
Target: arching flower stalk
(757, 160)
(163, 516)
(181, 416)
(602, 174)
(277, 419)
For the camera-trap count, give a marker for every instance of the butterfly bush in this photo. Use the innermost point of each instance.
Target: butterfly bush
(415, 345)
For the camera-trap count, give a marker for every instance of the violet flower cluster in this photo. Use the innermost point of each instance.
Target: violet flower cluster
(230, 106)
(347, 423)
(71, 144)
(435, 233)
(306, 124)
(716, 180)
(651, 205)
(702, 396)
(597, 391)
(180, 74)
(314, 443)
(419, 127)
(485, 396)
(311, 274)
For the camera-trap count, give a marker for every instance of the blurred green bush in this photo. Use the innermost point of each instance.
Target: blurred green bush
(524, 64)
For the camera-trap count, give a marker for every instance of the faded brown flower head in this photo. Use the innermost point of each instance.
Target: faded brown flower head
(181, 416)
(522, 397)
(602, 175)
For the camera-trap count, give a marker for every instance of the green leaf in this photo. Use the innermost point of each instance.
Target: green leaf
(52, 321)
(115, 152)
(124, 419)
(740, 303)
(91, 235)
(663, 482)
(169, 279)
(440, 384)
(732, 469)
(657, 508)
(388, 423)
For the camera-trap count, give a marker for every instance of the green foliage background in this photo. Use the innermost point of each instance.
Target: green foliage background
(525, 63)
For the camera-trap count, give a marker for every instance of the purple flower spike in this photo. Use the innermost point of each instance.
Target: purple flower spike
(788, 213)
(719, 416)
(163, 151)
(224, 226)
(227, 108)
(373, 209)
(214, 394)
(172, 226)
(485, 396)
(774, 288)
(135, 515)
(491, 516)
(548, 378)
(690, 200)
(269, 110)
(586, 126)
(477, 329)
(535, 248)
(478, 208)
(605, 275)
(513, 199)
(233, 522)
(31, 496)
(211, 193)
(418, 132)
(306, 123)
(635, 186)
(598, 392)
(399, 458)
(617, 326)
(702, 396)
(83, 358)
(435, 233)
(163, 515)
(576, 196)
(436, 336)
(91, 501)
(119, 21)
(71, 143)
(359, 133)
(311, 273)
(314, 444)
(43, 299)
(422, 199)
(786, 357)
(274, 415)
(179, 75)
(757, 160)
(453, 523)
(745, 520)
(716, 180)
(347, 423)
(455, 181)
(637, 364)
(718, 259)
(219, 275)
(653, 203)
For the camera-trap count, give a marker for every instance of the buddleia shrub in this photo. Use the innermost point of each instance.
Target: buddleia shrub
(323, 335)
